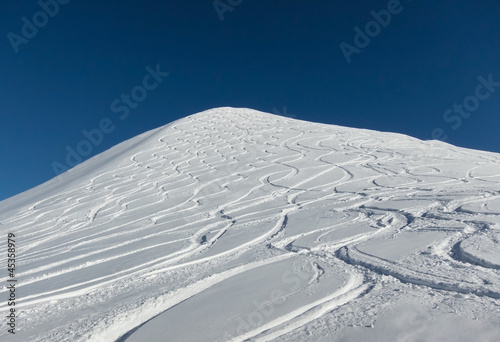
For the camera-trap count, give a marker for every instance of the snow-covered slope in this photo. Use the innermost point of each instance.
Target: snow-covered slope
(234, 224)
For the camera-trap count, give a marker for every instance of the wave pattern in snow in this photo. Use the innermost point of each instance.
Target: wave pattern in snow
(234, 224)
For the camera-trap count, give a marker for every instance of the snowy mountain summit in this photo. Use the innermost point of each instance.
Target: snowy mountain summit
(238, 225)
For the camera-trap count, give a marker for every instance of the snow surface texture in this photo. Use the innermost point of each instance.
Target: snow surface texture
(233, 225)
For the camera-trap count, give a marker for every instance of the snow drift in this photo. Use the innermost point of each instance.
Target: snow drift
(233, 224)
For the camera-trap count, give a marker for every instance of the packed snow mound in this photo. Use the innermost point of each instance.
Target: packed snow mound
(233, 225)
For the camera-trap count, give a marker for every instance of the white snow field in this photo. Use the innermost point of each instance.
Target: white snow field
(238, 225)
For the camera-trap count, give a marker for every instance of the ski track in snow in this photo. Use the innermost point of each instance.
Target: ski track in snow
(107, 249)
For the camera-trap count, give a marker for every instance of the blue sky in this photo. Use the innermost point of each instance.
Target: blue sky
(413, 67)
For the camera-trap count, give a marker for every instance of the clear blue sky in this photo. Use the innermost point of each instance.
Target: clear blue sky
(62, 71)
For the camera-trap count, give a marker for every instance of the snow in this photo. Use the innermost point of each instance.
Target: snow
(233, 225)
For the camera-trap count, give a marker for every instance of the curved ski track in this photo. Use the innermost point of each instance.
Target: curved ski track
(192, 205)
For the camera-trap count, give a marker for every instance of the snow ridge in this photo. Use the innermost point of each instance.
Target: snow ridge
(234, 225)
